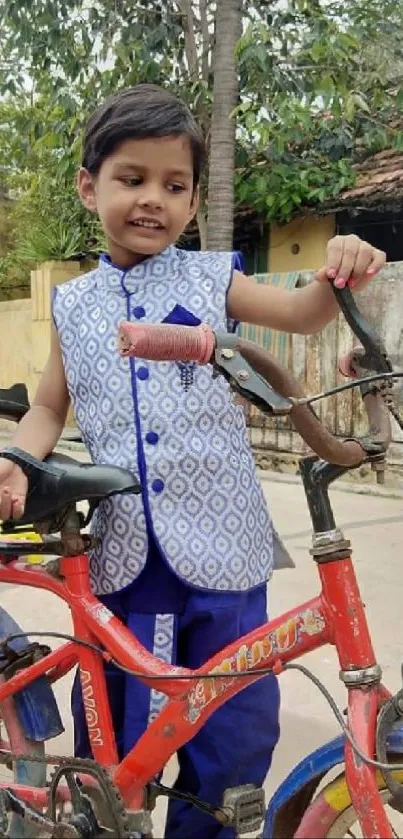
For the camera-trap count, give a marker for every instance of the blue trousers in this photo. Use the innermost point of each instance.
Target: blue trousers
(186, 626)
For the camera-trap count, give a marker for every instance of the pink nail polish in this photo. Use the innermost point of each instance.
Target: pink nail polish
(340, 282)
(332, 274)
(371, 272)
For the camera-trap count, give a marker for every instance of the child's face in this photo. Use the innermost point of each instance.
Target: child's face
(143, 195)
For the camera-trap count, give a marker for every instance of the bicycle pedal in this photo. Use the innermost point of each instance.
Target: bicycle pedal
(244, 807)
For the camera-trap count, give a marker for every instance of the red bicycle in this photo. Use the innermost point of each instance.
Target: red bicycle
(104, 797)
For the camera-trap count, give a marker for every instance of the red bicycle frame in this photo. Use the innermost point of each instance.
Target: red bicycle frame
(335, 617)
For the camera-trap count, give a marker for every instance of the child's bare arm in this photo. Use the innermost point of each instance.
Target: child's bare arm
(306, 310)
(302, 311)
(40, 429)
(37, 433)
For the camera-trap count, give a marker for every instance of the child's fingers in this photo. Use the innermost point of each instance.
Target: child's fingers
(5, 504)
(17, 506)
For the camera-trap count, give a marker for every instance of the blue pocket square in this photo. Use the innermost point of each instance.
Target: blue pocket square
(182, 317)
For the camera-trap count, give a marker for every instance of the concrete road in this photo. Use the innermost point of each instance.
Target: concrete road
(375, 526)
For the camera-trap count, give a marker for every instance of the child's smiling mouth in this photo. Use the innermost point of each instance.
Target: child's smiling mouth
(147, 223)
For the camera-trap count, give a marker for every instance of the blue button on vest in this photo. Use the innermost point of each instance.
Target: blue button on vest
(178, 430)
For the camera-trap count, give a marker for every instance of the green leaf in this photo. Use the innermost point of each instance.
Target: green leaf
(317, 81)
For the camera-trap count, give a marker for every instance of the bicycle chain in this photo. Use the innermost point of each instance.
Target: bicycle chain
(86, 767)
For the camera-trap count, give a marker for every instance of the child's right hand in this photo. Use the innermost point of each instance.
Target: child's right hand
(13, 490)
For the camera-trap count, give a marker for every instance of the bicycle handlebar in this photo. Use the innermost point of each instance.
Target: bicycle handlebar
(259, 377)
(346, 453)
(375, 356)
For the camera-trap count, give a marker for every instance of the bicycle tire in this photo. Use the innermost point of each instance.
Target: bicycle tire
(30, 774)
(332, 816)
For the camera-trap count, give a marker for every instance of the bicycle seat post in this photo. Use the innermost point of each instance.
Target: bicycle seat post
(328, 541)
(317, 475)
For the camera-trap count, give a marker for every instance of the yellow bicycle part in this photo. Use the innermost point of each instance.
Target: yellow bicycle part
(26, 535)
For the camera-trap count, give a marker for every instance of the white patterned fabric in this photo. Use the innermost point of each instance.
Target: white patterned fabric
(176, 427)
(164, 636)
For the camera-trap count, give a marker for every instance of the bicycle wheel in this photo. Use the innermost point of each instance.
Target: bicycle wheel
(332, 815)
(21, 772)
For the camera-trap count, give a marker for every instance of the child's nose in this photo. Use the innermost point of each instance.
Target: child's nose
(151, 196)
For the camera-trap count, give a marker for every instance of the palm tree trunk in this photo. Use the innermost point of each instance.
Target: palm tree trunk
(228, 31)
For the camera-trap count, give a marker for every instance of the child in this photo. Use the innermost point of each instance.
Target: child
(185, 566)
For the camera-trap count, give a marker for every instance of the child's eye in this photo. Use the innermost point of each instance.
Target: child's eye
(176, 187)
(131, 181)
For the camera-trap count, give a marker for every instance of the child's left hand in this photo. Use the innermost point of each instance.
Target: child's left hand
(350, 261)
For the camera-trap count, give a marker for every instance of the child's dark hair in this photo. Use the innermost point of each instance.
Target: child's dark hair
(145, 110)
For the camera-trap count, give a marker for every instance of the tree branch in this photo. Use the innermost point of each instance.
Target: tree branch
(190, 40)
(206, 40)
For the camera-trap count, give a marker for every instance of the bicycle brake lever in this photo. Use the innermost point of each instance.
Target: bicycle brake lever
(244, 379)
(375, 356)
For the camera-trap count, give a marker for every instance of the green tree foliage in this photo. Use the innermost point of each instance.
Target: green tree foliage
(319, 84)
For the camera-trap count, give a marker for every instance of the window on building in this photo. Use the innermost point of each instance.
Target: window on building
(382, 230)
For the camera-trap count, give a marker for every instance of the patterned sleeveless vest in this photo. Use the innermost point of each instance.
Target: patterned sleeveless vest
(172, 424)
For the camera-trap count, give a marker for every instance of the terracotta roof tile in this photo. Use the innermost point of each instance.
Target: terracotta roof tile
(379, 181)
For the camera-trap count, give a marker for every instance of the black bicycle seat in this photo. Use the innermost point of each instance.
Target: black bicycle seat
(14, 402)
(59, 481)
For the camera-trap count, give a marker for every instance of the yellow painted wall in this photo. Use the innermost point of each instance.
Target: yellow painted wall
(15, 342)
(307, 235)
(25, 327)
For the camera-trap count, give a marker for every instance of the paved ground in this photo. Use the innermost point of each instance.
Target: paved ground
(375, 525)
